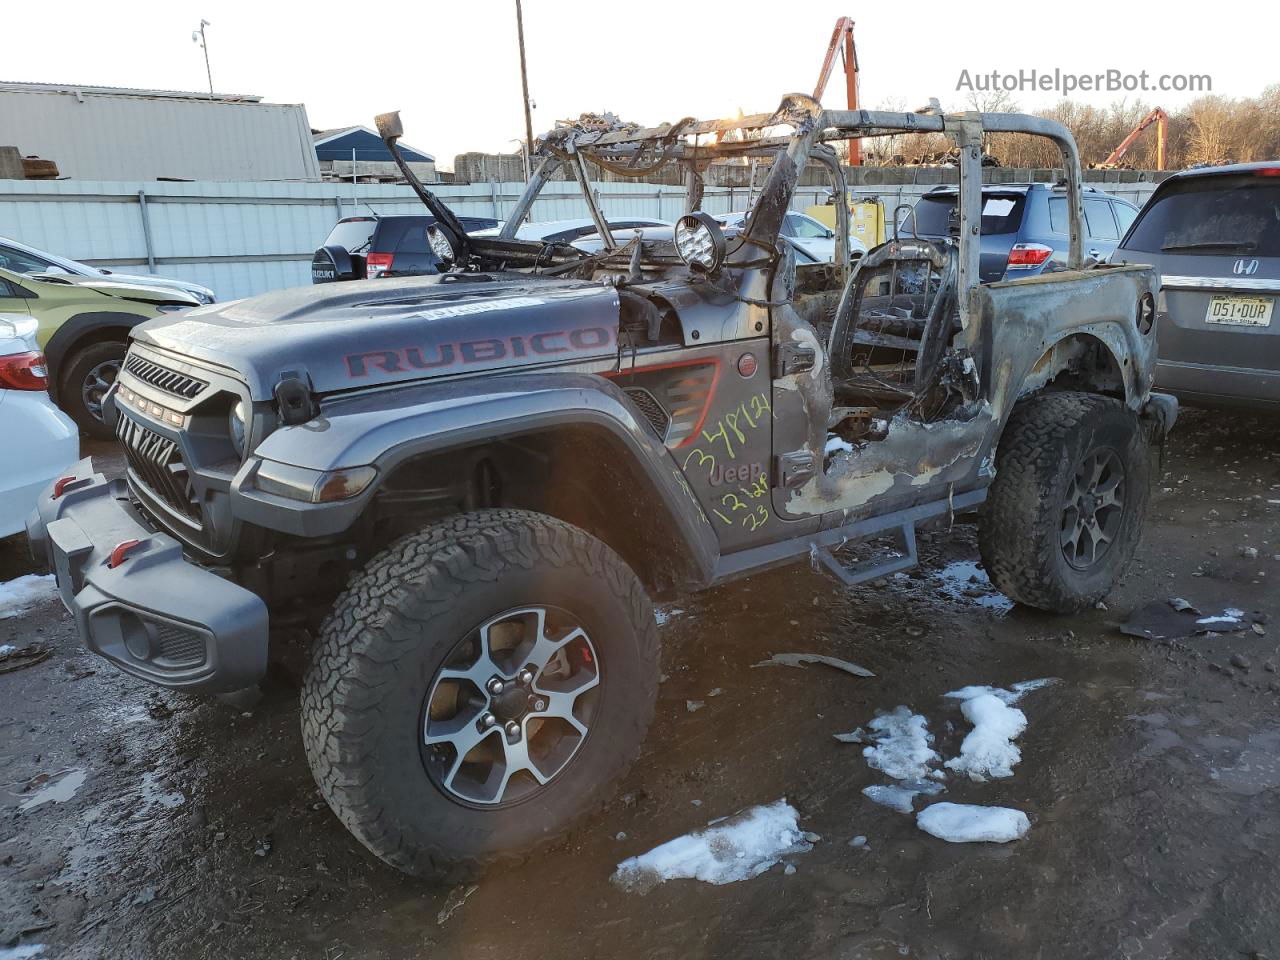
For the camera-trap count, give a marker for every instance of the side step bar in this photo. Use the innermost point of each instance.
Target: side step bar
(816, 545)
(905, 537)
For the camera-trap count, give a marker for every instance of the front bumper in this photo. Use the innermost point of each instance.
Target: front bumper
(155, 615)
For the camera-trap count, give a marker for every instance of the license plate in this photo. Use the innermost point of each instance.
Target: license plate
(1240, 311)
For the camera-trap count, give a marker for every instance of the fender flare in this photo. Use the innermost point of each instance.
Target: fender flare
(387, 427)
(68, 334)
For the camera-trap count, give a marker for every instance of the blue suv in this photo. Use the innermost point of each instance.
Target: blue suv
(1024, 226)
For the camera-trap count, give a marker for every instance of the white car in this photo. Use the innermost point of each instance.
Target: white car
(21, 258)
(39, 440)
(567, 231)
(805, 233)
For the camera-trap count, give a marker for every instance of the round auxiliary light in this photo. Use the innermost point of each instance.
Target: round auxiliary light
(440, 245)
(700, 242)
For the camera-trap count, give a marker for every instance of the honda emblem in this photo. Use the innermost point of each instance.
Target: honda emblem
(1245, 268)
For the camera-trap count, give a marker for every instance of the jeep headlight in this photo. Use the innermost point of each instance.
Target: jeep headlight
(700, 241)
(312, 486)
(440, 244)
(236, 423)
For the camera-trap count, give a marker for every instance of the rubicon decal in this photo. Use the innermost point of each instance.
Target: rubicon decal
(487, 351)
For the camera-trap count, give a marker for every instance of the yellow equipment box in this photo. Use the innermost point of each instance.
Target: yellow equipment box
(866, 219)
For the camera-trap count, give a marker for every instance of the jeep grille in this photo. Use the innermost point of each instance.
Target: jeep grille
(170, 381)
(156, 463)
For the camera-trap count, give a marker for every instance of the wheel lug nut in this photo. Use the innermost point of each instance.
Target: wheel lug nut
(526, 676)
(512, 728)
(539, 704)
(496, 686)
(488, 720)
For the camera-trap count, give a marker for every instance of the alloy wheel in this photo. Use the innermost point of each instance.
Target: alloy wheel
(511, 707)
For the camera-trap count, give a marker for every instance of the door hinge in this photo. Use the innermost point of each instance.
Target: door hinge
(789, 358)
(794, 469)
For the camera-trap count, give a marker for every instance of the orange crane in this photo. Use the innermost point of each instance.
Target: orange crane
(1161, 120)
(842, 40)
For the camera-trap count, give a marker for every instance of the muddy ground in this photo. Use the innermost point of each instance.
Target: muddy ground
(1150, 772)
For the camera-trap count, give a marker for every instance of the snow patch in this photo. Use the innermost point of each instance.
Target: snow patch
(23, 952)
(837, 444)
(970, 823)
(988, 751)
(17, 595)
(901, 797)
(902, 748)
(6, 649)
(731, 849)
(1010, 696)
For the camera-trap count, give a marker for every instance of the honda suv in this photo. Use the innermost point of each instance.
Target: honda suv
(1024, 226)
(1214, 235)
(365, 248)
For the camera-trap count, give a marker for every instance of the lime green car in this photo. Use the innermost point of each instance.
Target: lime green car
(83, 329)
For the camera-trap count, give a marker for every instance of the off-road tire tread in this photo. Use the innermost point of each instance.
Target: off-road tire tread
(1017, 554)
(414, 577)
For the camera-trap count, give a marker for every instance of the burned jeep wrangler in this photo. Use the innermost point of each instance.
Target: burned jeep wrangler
(493, 469)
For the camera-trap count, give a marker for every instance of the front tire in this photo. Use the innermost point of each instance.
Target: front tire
(477, 688)
(1063, 518)
(87, 376)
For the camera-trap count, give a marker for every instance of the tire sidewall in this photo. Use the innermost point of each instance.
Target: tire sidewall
(1114, 429)
(427, 817)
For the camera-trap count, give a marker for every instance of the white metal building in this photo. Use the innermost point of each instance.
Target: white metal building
(116, 133)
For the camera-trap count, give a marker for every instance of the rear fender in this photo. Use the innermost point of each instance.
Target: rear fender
(385, 428)
(1029, 329)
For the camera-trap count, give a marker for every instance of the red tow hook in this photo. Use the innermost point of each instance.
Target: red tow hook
(61, 484)
(121, 551)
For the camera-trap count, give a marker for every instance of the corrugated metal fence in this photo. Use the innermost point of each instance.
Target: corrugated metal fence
(242, 239)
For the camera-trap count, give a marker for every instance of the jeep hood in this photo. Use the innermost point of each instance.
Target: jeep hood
(343, 336)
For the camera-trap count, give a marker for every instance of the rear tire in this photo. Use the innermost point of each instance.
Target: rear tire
(1063, 518)
(442, 613)
(86, 375)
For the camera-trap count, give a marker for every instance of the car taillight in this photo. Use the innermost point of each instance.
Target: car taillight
(1268, 172)
(24, 371)
(1029, 255)
(376, 264)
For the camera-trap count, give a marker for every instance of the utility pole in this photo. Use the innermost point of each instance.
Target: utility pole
(524, 86)
(197, 36)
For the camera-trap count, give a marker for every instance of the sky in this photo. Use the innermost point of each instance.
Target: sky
(452, 69)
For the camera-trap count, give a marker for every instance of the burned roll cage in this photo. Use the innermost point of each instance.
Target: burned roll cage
(637, 152)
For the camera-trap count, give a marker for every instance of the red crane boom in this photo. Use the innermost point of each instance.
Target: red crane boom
(1161, 120)
(842, 41)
